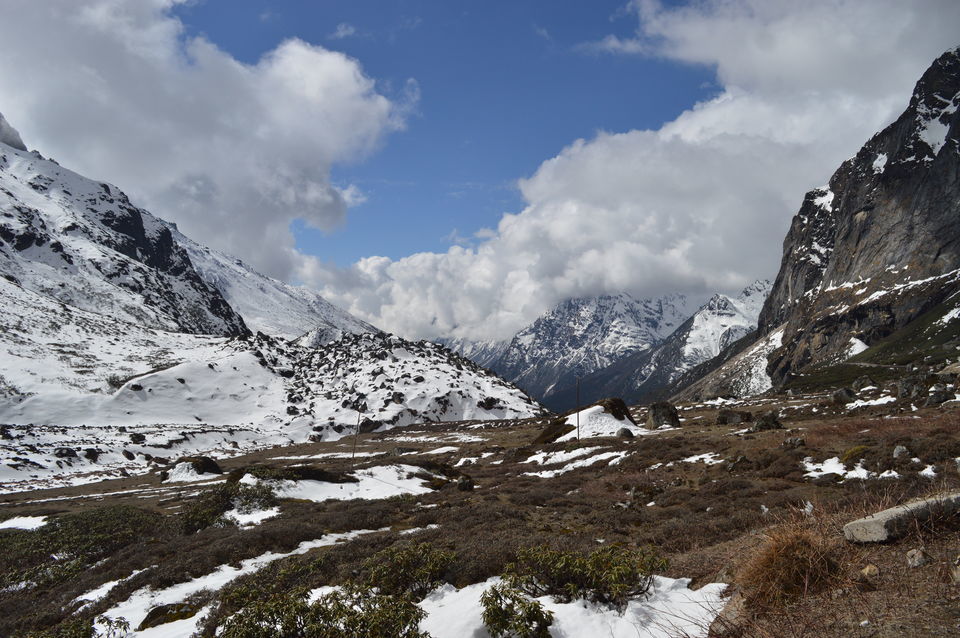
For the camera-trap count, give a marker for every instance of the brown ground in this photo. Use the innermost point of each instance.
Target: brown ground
(707, 519)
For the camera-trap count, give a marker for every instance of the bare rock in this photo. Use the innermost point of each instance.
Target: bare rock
(662, 413)
(894, 522)
(917, 558)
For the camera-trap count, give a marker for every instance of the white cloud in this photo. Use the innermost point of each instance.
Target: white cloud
(231, 152)
(701, 204)
(343, 30)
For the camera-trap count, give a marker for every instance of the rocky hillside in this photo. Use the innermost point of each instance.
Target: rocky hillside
(871, 253)
(646, 375)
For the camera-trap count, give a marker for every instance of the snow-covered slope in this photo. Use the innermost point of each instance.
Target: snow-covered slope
(484, 353)
(580, 336)
(647, 374)
(216, 395)
(268, 305)
(82, 242)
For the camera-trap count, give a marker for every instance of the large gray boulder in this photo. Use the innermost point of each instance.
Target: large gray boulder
(893, 523)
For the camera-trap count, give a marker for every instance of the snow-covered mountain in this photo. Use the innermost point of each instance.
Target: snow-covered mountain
(83, 243)
(580, 336)
(645, 375)
(117, 330)
(484, 353)
(268, 305)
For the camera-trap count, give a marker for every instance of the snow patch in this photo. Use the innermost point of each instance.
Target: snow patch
(24, 522)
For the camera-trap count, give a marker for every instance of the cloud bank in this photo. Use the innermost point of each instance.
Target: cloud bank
(232, 152)
(698, 206)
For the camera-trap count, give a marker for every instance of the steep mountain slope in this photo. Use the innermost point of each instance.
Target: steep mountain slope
(83, 243)
(872, 251)
(483, 353)
(580, 336)
(648, 374)
(266, 304)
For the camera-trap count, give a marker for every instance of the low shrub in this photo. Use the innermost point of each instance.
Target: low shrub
(407, 570)
(208, 508)
(508, 613)
(609, 576)
(348, 611)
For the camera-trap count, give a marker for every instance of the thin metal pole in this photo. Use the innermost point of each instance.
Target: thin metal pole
(356, 435)
(578, 407)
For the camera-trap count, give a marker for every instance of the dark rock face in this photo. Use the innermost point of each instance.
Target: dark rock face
(881, 244)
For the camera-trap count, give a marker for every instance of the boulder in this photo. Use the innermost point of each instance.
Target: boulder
(662, 413)
(900, 451)
(625, 433)
(894, 522)
(844, 396)
(164, 614)
(863, 382)
(767, 421)
(201, 464)
(726, 416)
(917, 558)
(937, 397)
(65, 453)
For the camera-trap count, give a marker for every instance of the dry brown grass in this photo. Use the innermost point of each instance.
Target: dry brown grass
(795, 560)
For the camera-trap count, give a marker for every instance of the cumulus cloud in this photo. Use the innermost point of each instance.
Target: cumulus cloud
(232, 152)
(697, 206)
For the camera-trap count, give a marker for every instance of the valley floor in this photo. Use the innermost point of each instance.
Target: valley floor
(709, 498)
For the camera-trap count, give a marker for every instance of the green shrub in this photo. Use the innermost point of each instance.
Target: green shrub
(208, 507)
(408, 570)
(69, 543)
(609, 576)
(350, 611)
(508, 613)
(84, 628)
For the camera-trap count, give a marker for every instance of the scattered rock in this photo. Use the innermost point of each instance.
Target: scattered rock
(662, 413)
(465, 484)
(91, 454)
(201, 464)
(65, 453)
(127, 454)
(937, 397)
(863, 382)
(893, 523)
(767, 421)
(164, 614)
(729, 622)
(844, 396)
(726, 416)
(900, 451)
(793, 442)
(955, 570)
(137, 437)
(871, 571)
(917, 558)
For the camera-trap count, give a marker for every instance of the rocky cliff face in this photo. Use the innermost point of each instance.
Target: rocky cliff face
(85, 244)
(878, 246)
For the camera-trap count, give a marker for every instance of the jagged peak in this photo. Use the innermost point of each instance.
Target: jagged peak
(10, 136)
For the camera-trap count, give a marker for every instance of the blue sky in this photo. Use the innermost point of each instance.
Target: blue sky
(503, 86)
(647, 147)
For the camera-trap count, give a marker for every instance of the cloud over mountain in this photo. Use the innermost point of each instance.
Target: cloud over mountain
(700, 204)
